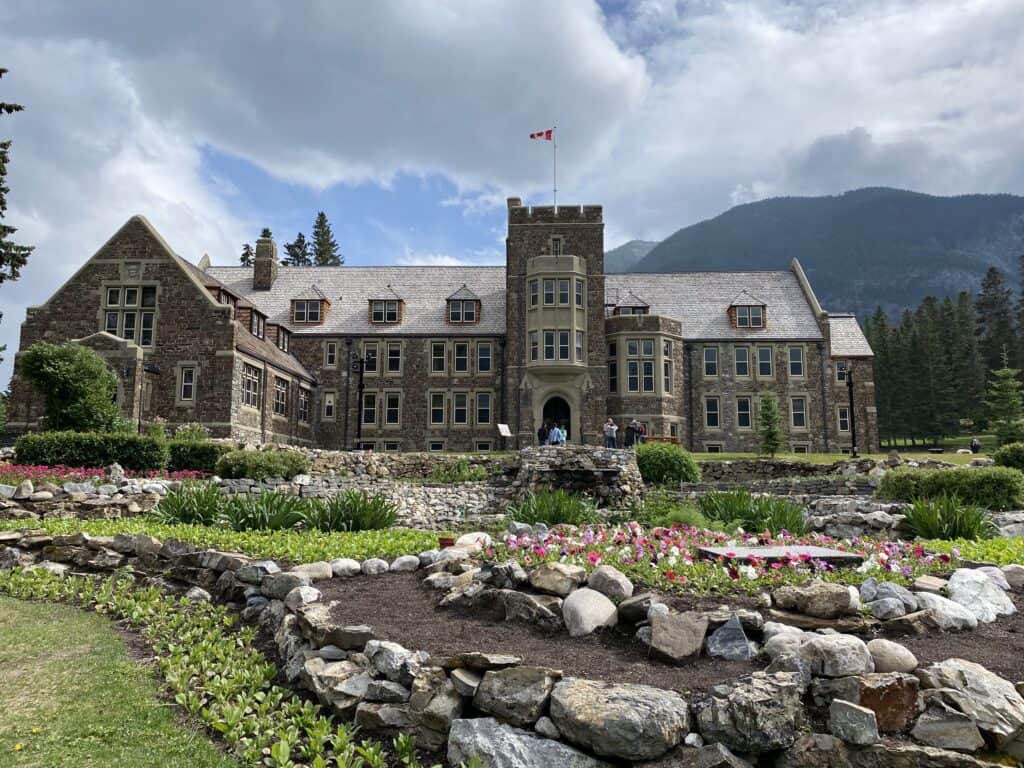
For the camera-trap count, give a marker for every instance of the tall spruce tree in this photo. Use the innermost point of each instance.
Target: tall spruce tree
(325, 248)
(299, 253)
(248, 256)
(1004, 406)
(994, 312)
(12, 256)
(879, 335)
(769, 425)
(266, 233)
(968, 370)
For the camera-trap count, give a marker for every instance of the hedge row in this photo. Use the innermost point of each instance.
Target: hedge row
(989, 487)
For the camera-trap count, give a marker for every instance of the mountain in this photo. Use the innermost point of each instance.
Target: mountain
(627, 255)
(868, 247)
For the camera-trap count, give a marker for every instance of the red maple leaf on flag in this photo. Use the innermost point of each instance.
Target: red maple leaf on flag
(547, 135)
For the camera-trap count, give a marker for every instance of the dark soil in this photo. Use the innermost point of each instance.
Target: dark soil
(400, 609)
(999, 646)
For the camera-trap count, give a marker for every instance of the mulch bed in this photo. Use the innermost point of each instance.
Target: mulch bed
(400, 609)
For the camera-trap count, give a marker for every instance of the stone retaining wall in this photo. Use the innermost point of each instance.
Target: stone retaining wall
(758, 470)
(814, 486)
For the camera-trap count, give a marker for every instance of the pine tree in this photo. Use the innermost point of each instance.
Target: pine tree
(879, 334)
(299, 252)
(994, 310)
(965, 362)
(325, 248)
(769, 425)
(1003, 405)
(266, 233)
(1020, 315)
(12, 256)
(248, 256)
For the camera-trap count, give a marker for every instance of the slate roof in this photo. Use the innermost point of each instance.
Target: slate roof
(629, 299)
(350, 289)
(700, 302)
(746, 298)
(313, 293)
(463, 294)
(846, 339)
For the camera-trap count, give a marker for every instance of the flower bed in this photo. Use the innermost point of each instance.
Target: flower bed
(666, 558)
(12, 474)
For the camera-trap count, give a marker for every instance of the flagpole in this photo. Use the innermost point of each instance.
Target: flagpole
(554, 166)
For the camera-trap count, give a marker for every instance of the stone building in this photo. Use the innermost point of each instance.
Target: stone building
(435, 358)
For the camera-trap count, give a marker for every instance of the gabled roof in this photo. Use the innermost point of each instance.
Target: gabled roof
(846, 339)
(745, 298)
(386, 294)
(312, 293)
(463, 294)
(268, 351)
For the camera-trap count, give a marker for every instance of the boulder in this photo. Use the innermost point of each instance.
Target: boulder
(546, 727)
(473, 542)
(344, 567)
(318, 571)
(384, 718)
(503, 746)
(783, 644)
(1014, 575)
(678, 636)
(517, 695)
(301, 596)
(868, 589)
(375, 566)
(892, 696)
(943, 727)
(887, 608)
(730, 642)
(891, 657)
(889, 590)
(851, 723)
(751, 621)
(544, 610)
(932, 584)
(481, 662)
(405, 564)
(632, 722)
(795, 664)
(711, 756)
(758, 713)
(277, 585)
(392, 661)
(773, 628)
(836, 655)
(976, 592)
(997, 576)
(820, 599)
(585, 609)
(918, 623)
(557, 578)
(948, 615)
(815, 750)
(611, 582)
(633, 610)
(466, 681)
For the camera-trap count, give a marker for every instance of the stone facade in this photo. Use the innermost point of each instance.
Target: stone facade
(434, 359)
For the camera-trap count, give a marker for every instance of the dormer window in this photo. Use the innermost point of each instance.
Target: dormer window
(631, 304)
(384, 311)
(257, 324)
(750, 316)
(632, 310)
(306, 311)
(282, 338)
(462, 311)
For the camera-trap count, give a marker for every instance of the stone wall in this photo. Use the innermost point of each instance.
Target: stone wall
(835, 485)
(406, 465)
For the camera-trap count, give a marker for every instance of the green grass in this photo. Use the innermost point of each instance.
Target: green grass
(73, 697)
(293, 546)
(832, 458)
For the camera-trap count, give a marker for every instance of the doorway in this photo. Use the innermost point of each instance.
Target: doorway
(556, 410)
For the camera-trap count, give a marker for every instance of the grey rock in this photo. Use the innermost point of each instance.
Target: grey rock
(198, 595)
(557, 578)
(887, 608)
(794, 664)
(375, 566)
(611, 582)
(943, 727)
(544, 610)
(948, 616)
(976, 592)
(394, 662)
(931, 584)
(429, 557)
(253, 573)
(1014, 575)
(517, 695)
(386, 691)
(679, 636)
(405, 564)
(836, 655)
(277, 585)
(7, 491)
(757, 713)
(344, 567)
(633, 610)
(466, 681)
(301, 596)
(891, 657)
(319, 571)
(751, 621)
(868, 589)
(773, 628)
(730, 642)
(481, 662)
(546, 727)
(585, 610)
(719, 756)
(820, 599)
(503, 746)
(509, 574)
(24, 490)
(852, 723)
(997, 576)
(386, 719)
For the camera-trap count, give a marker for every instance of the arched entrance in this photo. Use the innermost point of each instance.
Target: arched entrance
(557, 411)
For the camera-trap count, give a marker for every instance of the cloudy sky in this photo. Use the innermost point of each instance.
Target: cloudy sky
(407, 120)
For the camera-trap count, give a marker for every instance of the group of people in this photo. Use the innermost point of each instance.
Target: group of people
(551, 434)
(636, 433)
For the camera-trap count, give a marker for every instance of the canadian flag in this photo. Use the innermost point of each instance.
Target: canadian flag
(547, 135)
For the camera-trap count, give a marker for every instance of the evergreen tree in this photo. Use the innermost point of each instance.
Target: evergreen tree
(248, 256)
(994, 310)
(325, 248)
(769, 425)
(965, 362)
(266, 233)
(12, 255)
(299, 252)
(1020, 315)
(1004, 406)
(879, 334)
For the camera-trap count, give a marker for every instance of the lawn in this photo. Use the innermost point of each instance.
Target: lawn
(72, 697)
(832, 458)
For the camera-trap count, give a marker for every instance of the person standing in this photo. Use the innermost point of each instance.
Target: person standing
(610, 428)
(641, 433)
(631, 433)
(553, 434)
(542, 434)
(563, 435)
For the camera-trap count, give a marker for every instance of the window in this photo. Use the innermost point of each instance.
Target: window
(648, 377)
(131, 297)
(129, 323)
(632, 310)
(384, 311)
(801, 448)
(579, 293)
(146, 334)
(306, 311)
(369, 408)
(533, 293)
(280, 396)
(304, 405)
(632, 348)
(666, 374)
(579, 347)
(392, 408)
(483, 357)
(483, 445)
(744, 418)
(764, 362)
(330, 354)
(370, 357)
(639, 373)
(110, 326)
(251, 377)
(563, 292)
(329, 406)
(710, 361)
(462, 311)
(188, 384)
(613, 368)
(749, 317)
(843, 417)
(365, 445)
(647, 347)
(128, 332)
(483, 407)
(563, 345)
(712, 448)
(633, 375)
(549, 292)
(435, 446)
(282, 338)
(460, 408)
(437, 408)
(742, 355)
(673, 431)
(257, 325)
(533, 345)
(392, 446)
(461, 357)
(796, 362)
(841, 370)
(394, 357)
(113, 297)
(556, 246)
(798, 412)
(438, 357)
(711, 413)
(549, 345)
(149, 296)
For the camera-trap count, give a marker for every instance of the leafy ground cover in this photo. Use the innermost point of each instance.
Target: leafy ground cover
(292, 546)
(999, 551)
(72, 696)
(12, 474)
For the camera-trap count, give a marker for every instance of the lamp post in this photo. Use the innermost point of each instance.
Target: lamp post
(358, 365)
(853, 416)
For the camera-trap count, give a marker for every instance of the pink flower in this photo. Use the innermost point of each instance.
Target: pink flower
(594, 558)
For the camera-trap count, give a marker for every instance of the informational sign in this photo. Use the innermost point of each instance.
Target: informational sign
(504, 431)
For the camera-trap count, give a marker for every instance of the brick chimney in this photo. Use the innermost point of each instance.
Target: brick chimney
(264, 271)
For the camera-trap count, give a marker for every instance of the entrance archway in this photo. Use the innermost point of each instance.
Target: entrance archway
(557, 410)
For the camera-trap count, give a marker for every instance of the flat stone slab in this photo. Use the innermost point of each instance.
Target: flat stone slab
(775, 554)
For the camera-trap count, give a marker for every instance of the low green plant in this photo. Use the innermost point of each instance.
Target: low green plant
(92, 449)
(661, 463)
(191, 432)
(989, 487)
(460, 471)
(199, 455)
(350, 510)
(946, 517)
(752, 513)
(193, 504)
(659, 508)
(258, 465)
(1010, 455)
(263, 512)
(1002, 550)
(554, 508)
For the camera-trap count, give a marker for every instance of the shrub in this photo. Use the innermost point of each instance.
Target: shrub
(1010, 455)
(769, 425)
(458, 472)
(257, 465)
(554, 508)
(988, 487)
(725, 506)
(946, 517)
(666, 463)
(753, 513)
(350, 511)
(192, 432)
(194, 504)
(266, 512)
(202, 456)
(92, 449)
